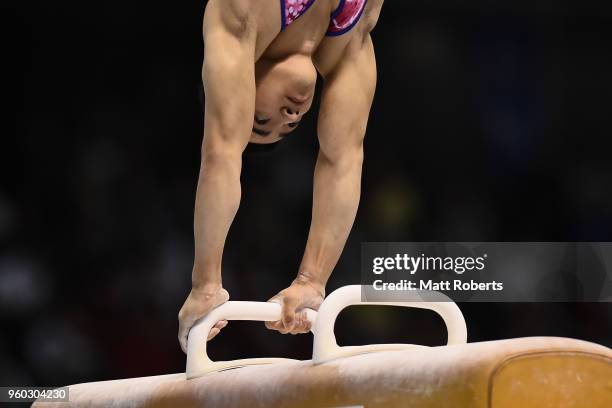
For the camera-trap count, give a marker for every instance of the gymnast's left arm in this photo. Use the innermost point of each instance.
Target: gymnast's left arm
(345, 106)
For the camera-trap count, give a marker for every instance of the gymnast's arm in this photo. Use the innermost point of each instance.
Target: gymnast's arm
(229, 85)
(345, 106)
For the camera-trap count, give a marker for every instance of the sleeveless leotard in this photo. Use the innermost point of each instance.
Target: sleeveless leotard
(345, 17)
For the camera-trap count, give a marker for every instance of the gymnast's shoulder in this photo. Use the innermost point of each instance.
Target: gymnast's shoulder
(241, 17)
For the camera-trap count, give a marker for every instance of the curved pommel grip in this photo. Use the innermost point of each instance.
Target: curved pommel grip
(325, 346)
(198, 362)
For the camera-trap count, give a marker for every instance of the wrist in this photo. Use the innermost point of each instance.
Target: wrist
(305, 277)
(205, 282)
(206, 289)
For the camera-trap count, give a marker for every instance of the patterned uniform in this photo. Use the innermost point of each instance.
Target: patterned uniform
(341, 20)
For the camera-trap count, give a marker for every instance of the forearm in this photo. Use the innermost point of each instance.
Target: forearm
(217, 201)
(337, 187)
(229, 84)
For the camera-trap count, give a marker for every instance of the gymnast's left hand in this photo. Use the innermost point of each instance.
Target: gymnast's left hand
(303, 293)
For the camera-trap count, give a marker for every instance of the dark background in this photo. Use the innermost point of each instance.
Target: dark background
(491, 123)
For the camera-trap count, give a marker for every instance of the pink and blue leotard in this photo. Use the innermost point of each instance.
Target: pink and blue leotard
(346, 15)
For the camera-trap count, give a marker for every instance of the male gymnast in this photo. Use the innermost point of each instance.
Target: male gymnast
(261, 60)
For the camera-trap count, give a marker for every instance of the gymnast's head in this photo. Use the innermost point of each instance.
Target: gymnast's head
(285, 89)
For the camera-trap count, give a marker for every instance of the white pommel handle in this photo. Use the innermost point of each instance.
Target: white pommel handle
(325, 346)
(198, 362)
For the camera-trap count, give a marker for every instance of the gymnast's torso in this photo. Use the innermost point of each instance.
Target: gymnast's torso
(320, 29)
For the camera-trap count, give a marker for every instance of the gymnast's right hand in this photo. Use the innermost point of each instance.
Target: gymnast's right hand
(199, 302)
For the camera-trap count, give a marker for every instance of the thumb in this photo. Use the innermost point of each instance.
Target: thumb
(288, 312)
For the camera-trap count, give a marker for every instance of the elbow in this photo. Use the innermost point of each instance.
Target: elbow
(347, 160)
(220, 155)
(221, 149)
(215, 161)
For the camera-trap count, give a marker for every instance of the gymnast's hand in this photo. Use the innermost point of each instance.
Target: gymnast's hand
(199, 302)
(300, 295)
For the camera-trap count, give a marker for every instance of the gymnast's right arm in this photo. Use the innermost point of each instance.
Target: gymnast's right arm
(229, 85)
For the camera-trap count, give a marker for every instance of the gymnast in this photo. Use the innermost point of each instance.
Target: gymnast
(261, 60)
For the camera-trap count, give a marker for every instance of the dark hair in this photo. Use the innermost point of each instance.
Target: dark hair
(252, 149)
(258, 149)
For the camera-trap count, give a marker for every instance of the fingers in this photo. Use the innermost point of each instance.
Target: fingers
(289, 305)
(185, 325)
(184, 332)
(277, 325)
(291, 321)
(213, 332)
(301, 325)
(216, 329)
